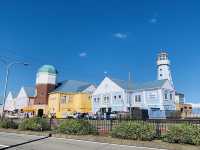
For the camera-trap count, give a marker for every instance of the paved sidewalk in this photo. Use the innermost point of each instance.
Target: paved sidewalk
(7, 139)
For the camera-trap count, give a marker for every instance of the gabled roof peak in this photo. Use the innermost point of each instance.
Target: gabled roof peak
(30, 91)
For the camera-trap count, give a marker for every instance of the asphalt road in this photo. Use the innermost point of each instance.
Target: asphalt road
(7, 139)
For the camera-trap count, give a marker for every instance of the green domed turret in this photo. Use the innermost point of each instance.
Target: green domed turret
(47, 69)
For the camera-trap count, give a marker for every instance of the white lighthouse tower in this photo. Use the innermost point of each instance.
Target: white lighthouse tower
(163, 66)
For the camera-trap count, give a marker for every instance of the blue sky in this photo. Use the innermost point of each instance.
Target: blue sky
(85, 38)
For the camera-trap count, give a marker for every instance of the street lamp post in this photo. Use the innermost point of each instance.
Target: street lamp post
(128, 96)
(8, 66)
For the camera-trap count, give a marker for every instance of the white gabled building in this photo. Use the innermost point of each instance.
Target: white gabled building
(158, 96)
(23, 99)
(118, 95)
(109, 95)
(10, 102)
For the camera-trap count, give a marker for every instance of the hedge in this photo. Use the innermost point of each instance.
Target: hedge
(183, 133)
(35, 124)
(8, 123)
(76, 127)
(134, 131)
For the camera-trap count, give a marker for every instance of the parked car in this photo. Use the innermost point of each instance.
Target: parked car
(71, 116)
(11, 116)
(113, 116)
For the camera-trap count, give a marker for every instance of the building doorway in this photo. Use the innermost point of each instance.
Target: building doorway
(40, 112)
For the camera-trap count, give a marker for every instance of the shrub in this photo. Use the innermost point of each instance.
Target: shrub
(76, 127)
(196, 135)
(8, 123)
(134, 131)
(180, 133)
(183, 133)
(34, 124)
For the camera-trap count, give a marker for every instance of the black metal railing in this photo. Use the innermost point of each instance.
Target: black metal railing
(161, 125)
(105, 126)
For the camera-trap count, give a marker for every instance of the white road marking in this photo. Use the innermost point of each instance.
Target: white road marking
(3, 145)
(103, 143)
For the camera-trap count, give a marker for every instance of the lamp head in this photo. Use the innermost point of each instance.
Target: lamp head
(25, 64)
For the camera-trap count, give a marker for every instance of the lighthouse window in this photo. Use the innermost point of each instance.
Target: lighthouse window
(160, 75)
(160, 69)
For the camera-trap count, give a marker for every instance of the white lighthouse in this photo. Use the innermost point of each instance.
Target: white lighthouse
(163, 66)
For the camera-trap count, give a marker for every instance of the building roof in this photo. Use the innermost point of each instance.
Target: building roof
(72, 86)
(150, 84)
(48, 69)
(30, 91)
(139, 86)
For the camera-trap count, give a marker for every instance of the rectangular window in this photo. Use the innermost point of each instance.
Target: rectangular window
(63, 100)
(69, 99)
(138, 98)
(166, 96)
(105, 100)
(171, 96)
(98, 100)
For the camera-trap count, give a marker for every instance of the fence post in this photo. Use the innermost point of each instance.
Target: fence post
(50, 122)
(158, 131)
(120, 118)
(111, 124)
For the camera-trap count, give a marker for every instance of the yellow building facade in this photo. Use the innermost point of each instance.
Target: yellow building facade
(62, 104)
(69, 97)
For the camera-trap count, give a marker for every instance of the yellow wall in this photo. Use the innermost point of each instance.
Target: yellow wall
(75, 102)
